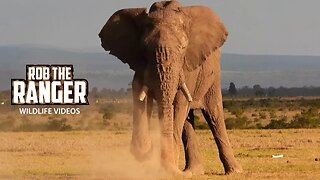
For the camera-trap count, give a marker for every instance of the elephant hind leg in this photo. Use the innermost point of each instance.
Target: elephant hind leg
(213, 113)
(192, 154)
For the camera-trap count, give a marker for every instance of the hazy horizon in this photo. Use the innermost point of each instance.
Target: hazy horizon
(105, 71)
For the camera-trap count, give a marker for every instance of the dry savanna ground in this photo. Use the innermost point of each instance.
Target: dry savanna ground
(105, 154)
(95, 144)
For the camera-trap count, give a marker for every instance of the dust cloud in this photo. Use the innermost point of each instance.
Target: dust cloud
(118, 163)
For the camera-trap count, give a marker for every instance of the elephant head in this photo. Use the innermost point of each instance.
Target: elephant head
(163, 44)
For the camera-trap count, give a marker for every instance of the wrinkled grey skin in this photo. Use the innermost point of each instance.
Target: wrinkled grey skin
(175, 53)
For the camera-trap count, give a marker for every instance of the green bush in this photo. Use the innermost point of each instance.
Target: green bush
(234, 107)
(107, 116)
(52, 125)
(237, 123)
(198, 124)
(278, 124)
(27, 126)
(262, 115)
(237, 111)
(58, 125)
(307, 119)
(125, 107)
(6, 125)
(259, 126)
(202, 126)
(272, 114)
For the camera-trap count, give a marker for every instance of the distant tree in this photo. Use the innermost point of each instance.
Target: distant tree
(271, 91)
(129, 91)
(258, 91)
(232, 89)
(94, 92)
(256, 87)
(245, 91)
(121, 92)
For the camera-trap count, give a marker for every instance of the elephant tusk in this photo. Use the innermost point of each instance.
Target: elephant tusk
(143, 93)
(186, 92)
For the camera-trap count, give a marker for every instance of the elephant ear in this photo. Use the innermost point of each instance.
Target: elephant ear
(206, 34)
(121, 36)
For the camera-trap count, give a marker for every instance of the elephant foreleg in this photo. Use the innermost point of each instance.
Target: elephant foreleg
(149, 107)
(180, 114)
(213, 114)
(141, 146)
(192, 154)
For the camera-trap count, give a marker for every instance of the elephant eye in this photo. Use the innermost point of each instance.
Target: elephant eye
(148, 22)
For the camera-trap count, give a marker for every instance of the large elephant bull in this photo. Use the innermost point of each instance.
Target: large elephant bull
(175, 53)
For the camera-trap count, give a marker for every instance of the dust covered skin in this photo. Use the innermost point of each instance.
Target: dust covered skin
(175, 53)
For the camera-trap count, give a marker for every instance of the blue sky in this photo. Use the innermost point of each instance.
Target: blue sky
(290, 27)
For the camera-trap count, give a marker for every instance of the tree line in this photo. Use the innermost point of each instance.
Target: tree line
(259, 91)
(232, 90)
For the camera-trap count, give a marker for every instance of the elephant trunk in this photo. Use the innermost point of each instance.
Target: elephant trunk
(168, 72)
(164, 77)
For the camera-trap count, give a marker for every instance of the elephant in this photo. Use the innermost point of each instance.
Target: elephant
(175, 53)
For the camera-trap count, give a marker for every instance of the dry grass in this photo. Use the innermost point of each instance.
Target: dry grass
(105, 155)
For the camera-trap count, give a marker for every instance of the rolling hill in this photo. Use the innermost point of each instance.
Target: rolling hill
(103, 70)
